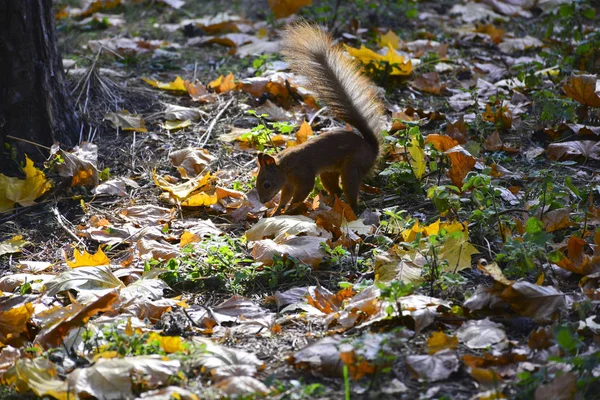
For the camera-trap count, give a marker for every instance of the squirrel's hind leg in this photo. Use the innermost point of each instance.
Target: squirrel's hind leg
(331, 183)
(351, 179)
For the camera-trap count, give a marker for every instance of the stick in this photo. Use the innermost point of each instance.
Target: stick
(214, 122)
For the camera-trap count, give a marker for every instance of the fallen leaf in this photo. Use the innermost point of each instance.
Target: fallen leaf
(587, 149)
(85, 259)
(126, 121)
(11, 246)
(281, 226)
(306, 249)
(480, 334)
(433, 368)
(23, 191)
(583, 88)
(111, 378)
(285, 8)
(439, 341)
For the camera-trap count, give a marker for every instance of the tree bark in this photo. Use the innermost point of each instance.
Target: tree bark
(34, 102)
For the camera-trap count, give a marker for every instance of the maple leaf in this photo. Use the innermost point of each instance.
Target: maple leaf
(23, 191)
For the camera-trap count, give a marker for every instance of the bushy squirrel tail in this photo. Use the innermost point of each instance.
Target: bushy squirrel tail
(335, 78)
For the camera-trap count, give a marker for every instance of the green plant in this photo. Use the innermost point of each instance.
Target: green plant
(261, 134)
(574, 360)
(523, 255)
(216, 262)
(402, 173)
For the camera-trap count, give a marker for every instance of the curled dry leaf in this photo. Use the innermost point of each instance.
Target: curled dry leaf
(79, 164)
(584, 89)
(111, 378)
(147, 214)
(15, 313)
(587, 149)
(512, 45)
(73, 316)
(242, 386)
(125, 120)
(480, 334)
(306, 249)
(40, 376)
(192, 161)
(540, 303)
(436, 367)
(281, 226)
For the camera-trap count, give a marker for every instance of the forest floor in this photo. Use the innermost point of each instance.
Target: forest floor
(151, 270)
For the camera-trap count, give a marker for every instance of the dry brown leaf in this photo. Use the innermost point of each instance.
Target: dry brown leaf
(285, 8)
(432, 368)
(127, 121)
(52, 336)
(429, 83)
(111, 378)
(583, 88)
(441, 142)
(587, 149)
(306, 249)
(462, 162)
(563, 387)
(541, 303)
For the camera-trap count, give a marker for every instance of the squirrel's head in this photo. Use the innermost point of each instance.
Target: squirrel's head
(270, 178)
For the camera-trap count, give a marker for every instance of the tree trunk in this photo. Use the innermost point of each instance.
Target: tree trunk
(34, 102)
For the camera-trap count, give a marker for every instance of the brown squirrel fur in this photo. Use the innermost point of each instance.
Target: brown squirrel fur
(337, 81)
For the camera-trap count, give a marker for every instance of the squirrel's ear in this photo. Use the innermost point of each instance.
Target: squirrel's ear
(268, 160)
(260, 159)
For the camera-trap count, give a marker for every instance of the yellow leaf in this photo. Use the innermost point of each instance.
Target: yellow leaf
(13, 245)
(200, 199)
(170, 344)
(389, 39)
(40, 376)
(408, 235)
(183, 190)
(364, 55)
(440, 341)
(175, 125)
(457, 251)
(13, 322)
(433, 229)
(188, 237)
(223, 84)
(177, 85)
(399, 65)
(22, 191)
(455, 226)
(417, 162)
(86, 259)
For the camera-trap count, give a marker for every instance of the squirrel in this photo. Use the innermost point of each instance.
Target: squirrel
(337, 81)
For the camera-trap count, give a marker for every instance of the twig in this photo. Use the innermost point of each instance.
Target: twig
(60, 220)
(321, 110)
(28, 141)
(206, 135)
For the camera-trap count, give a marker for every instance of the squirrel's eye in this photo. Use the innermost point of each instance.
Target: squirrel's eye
(267, 185)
